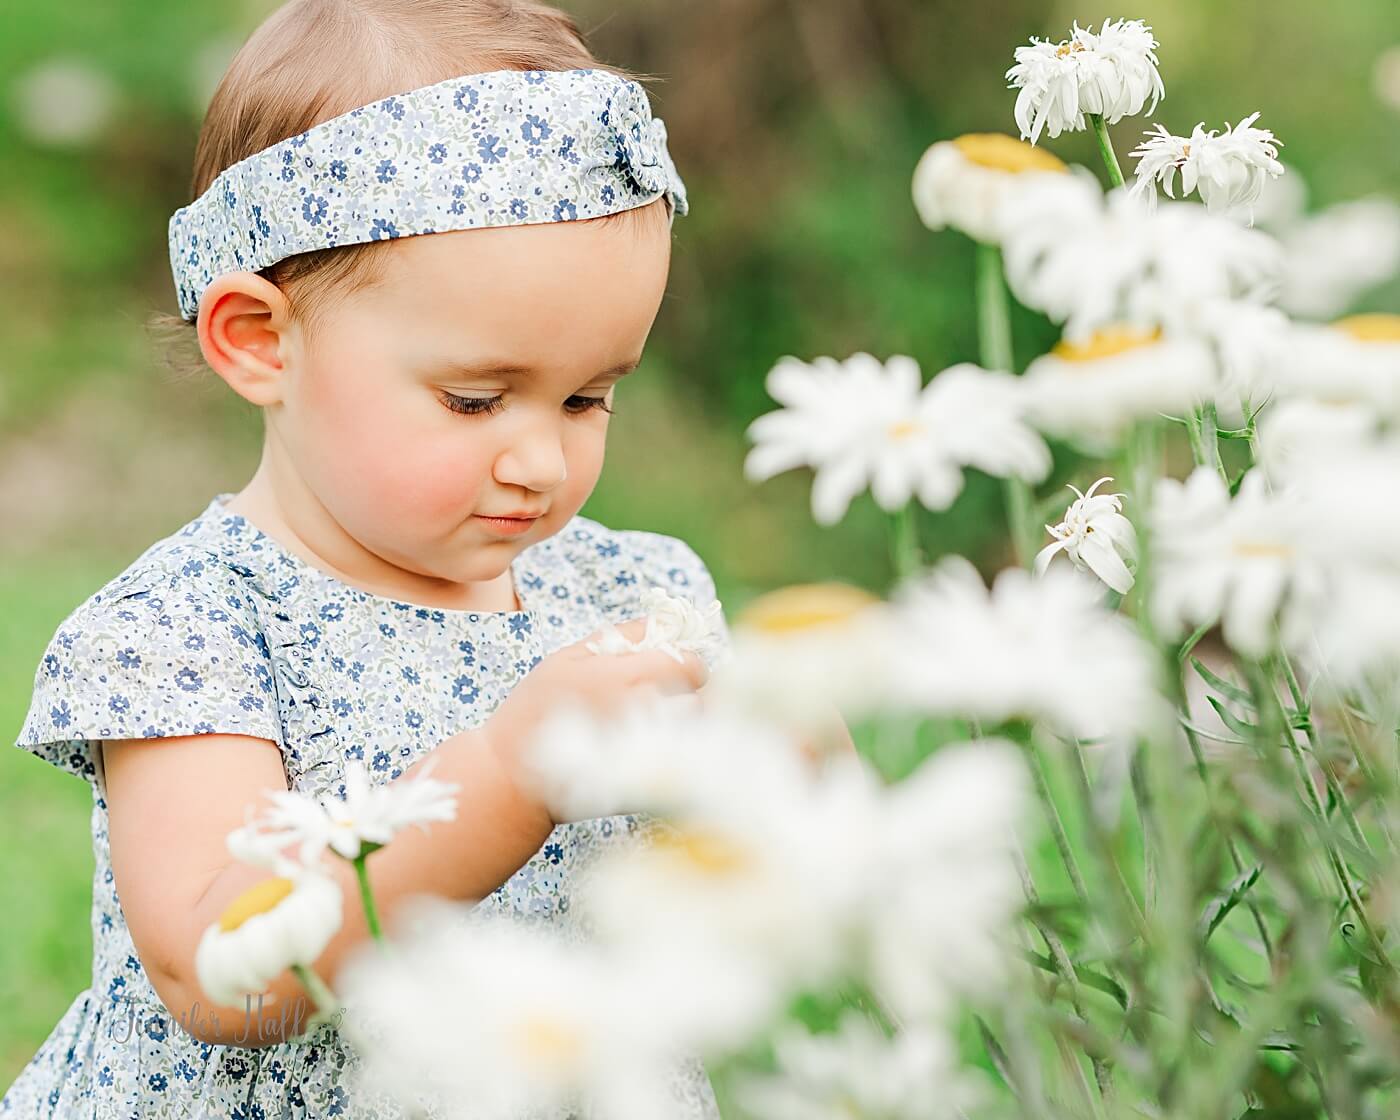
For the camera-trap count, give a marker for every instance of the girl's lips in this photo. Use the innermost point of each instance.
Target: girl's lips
(507, 526)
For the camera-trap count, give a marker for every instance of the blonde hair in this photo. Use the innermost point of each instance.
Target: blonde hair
(312, 60)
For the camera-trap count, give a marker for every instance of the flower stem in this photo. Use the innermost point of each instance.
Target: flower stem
(1115, 173)
(327, 1006)
(367, 898)
(994, 344)
(904, 545)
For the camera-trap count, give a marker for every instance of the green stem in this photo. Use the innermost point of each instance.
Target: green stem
(327, 1006)
(1115, 173)
(906, 555)
(995, 348)
(367, 898)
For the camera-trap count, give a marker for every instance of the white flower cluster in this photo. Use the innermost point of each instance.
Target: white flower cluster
(1110, 73)
(765, 878)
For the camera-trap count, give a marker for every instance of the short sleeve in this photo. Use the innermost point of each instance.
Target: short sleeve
(171, 648)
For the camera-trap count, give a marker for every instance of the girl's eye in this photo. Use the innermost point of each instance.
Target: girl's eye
(475, 406)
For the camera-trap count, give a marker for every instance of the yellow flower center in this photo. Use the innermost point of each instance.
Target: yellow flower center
(705, 852)
(804, 607)
(903, 430)
(1376, 326)
(1106, 343)
(550, 1040)
(1000, 152)
(258, 899)
(1067, 47)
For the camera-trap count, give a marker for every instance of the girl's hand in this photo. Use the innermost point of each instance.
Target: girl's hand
(600, 682)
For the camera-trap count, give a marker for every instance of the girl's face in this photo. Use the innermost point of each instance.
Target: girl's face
(474, 379)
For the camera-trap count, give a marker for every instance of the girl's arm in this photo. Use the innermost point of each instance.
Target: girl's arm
(171, 803)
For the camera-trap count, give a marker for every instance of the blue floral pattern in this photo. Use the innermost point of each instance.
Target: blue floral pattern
(217, 628)
(395, 168)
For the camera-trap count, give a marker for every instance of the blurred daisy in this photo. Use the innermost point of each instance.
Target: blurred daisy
(1091, 393)
(1042, 648)
(963, 183)
(1229, 170)
(651, 756)
(270, 927)
(1096, 536)
(497, 1020)
(1293, 433)
(1089, 260)
(1356, 359)
(798, 649)
(1243, 562)
(857, 1071)
(1333, 257)
(942, 887)
(762, 871)
(674, 624)
(365, 818)
(1112, 73)
(862, 423)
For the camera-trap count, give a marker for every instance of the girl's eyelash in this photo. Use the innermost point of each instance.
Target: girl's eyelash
(478, 406)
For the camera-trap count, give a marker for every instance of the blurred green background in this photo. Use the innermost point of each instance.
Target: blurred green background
(796, 124)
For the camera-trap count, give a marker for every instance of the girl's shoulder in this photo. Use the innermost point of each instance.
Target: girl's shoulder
(615, 566)
(171, 645)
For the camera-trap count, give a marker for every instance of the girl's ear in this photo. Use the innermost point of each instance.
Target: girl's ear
(245, 328)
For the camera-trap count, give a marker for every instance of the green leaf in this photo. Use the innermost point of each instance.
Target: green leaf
(1232, 721)
(1219, 907)
(1190, 643)
(1087, 976)
(1222, 686)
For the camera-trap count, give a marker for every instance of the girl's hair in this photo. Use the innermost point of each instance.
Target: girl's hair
(312, 60)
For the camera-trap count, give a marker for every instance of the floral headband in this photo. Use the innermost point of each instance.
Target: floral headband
(503, 148)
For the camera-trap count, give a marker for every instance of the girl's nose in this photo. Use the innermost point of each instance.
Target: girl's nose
(534, 459)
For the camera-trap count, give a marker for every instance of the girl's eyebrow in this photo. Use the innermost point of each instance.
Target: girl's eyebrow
(509, 369)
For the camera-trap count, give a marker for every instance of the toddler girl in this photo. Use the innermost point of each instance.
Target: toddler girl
(406, 575)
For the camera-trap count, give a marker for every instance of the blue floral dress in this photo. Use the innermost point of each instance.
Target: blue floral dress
(217, 628)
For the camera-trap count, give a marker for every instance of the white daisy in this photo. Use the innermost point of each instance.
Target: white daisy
(760, 866)
(674, 624)
(1295, 432)
(1092, 393)
(271, 926)
(863, 423)
(1112, 73)
(801, 649)
(1356, 359)
(1096, 536)
(1243, 562)
(650, 756)
(857, 1071)
(1229, 170)
(1089, 260)
(963, 182)
(1333, 257)
(942, 887)
(499, 1019)
(367, 817)
(1042, 648)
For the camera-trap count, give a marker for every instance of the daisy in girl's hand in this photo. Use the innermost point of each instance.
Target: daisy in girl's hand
(674, 624)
